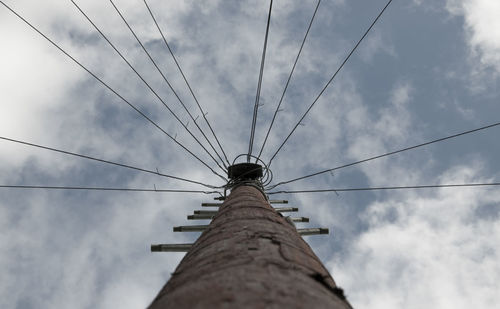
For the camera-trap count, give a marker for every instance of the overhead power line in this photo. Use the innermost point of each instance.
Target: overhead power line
(175, 93)
(204, 115)
(330, 81)
(387, 188)
(111, 89)
(135, 71)
(259, 84)
(107, 189)
(106, 161)
(387, 154)
(288, 80)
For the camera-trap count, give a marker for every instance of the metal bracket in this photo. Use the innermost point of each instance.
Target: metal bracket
(171, 247)
(313, 231)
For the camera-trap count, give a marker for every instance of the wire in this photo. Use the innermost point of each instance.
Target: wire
(128, 63)
(187, 83)
(389, 188)
(106, 161)
(288, 80)
(259, 84)
(266, 178)
(174, 92)
(111, 89)
(388, 154)
(107, 189)
(331, 79)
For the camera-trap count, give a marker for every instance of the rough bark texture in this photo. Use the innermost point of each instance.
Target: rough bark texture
(250, 257)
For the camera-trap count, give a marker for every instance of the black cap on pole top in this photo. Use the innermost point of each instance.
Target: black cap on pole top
(245, 171)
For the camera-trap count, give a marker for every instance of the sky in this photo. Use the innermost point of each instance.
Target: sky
(428, 69)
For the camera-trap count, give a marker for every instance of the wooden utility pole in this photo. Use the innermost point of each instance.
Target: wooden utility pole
(250, 256)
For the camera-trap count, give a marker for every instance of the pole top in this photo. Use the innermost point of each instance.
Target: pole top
(245, 171)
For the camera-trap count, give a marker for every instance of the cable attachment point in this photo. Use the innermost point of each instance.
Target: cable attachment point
(245, 171)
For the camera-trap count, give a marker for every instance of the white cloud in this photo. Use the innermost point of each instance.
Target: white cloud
(374, 44)
(482, 27)
(432, 252)
(372, 134)
(53, 243)
(78, 259)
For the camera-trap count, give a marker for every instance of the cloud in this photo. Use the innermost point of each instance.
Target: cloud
(374, 44)
(426, 251)
(482, 28)
(376, 133)
(83, 255)
(53, 243)
(482, 36)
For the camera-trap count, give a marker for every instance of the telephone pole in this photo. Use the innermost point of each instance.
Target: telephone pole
(249, 256)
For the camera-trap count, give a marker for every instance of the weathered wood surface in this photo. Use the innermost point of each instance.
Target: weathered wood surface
(250, 257)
